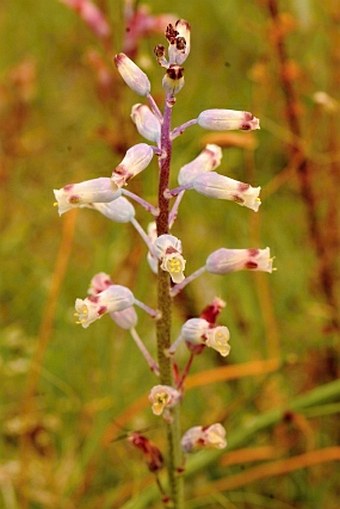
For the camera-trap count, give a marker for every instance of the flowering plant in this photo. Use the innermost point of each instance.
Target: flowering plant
(109, 196)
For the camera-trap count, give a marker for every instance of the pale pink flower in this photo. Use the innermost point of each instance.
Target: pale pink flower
(133, 75)
(163, 397)
(168, 249)
(147, 124)
(204, 437)
(81, 194)
(225, 260)
(225, 120)
(136, 159)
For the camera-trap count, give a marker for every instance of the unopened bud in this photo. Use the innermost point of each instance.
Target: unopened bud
(133, 76)
(225, 120)
(136, 159)
(148, 125)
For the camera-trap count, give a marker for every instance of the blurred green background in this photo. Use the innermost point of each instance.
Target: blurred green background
(64, 117)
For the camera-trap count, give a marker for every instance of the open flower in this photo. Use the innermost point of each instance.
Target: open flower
(225, 260)
(218, 339)
(198, 333)
(224, 188)
(204, 437)
(163, 397)
(100, 190)
(169, 251)
(93, 307)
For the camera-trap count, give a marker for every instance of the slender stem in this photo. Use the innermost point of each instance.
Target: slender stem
(181, 128)
(179, 287)
(145, 352)
(164, 306)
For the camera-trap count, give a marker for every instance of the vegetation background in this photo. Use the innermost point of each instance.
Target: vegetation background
(69, 396)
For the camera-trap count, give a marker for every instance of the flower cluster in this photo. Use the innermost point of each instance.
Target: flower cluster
(109, 196)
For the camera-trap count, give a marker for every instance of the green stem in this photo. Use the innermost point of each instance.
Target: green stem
(163, 327)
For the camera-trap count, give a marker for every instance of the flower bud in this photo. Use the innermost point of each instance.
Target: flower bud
(207, 160)
(224, 260)
(148, 125)
(136, 159)
(168, 249)
(133, 76)
(83, 193)
(179, 41)
(173, 80)
(225, 120)
(163, 397)
(99, 282)
(200, 437)
(119, 210)
(224, 188)
(92, 308)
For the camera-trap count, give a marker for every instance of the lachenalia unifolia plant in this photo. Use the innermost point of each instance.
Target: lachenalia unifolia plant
(110, 196)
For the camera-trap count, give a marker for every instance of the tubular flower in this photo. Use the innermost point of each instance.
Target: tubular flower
(225, 260)
(133, 76)
(92, 308)
(136, 159)
(218, 186)
(100, 190)
(198, 332)
(168, 249)
(126, 318)
(201, 437)
(147, 124)
(207, 160)
(163, 397)
(179, 41)
(225, 120)
(151, 258)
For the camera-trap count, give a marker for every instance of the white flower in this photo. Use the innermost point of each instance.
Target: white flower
(179, 42)
(218, 339)
(136, 159)
(200, 437)
(214, 185)
(148, 125)
(133, 76)
(83, 193)
(225, 120)
(168, 250)
(225, 260)
(92, 308)
(163, 397)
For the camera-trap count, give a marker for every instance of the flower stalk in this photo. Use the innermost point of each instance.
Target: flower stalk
(163, 327)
